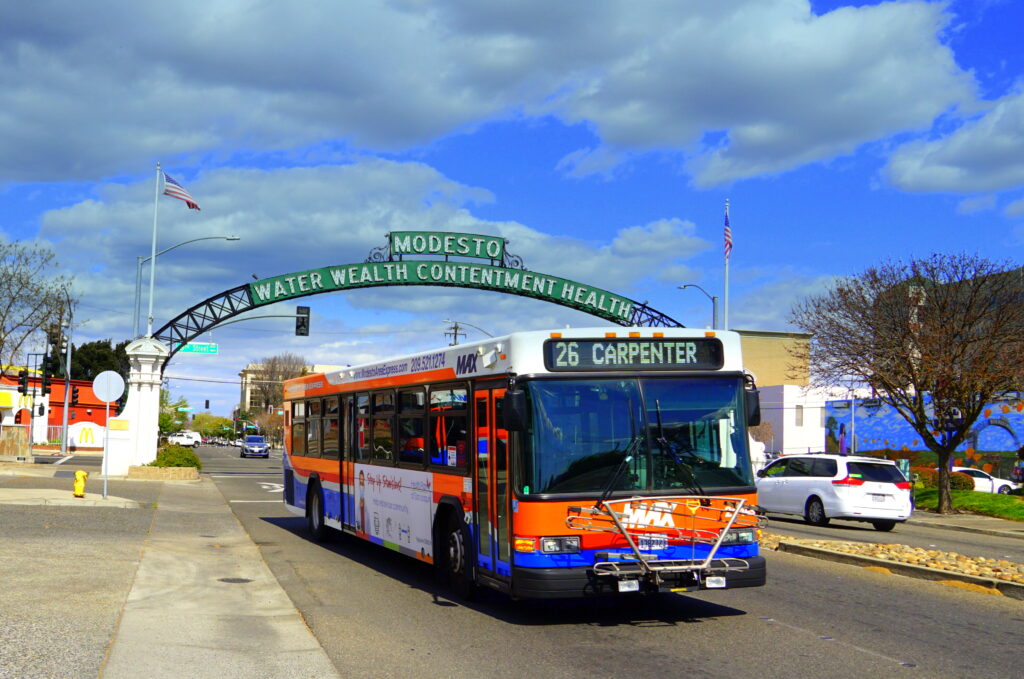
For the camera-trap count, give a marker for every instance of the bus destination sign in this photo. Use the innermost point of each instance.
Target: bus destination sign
(703, 353)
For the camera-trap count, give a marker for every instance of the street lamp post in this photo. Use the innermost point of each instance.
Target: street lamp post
(138, 280)
(713, 298)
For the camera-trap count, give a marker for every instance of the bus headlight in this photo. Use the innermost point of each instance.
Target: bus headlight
(562, 545)
(743, 536)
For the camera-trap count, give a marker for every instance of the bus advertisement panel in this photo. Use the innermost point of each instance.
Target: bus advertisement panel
(540, 464)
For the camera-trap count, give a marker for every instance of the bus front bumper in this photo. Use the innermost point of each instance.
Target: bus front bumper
(561, 583)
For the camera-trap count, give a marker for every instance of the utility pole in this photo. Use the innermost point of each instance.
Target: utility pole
(454, 331)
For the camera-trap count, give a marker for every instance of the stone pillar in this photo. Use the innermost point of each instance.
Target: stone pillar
(133, 434)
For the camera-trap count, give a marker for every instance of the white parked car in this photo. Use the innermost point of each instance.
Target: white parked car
(821, 486)
(190, 439)
(985, 482)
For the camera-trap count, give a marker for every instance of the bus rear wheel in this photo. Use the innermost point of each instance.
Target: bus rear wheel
(315, 513)
(456, 562)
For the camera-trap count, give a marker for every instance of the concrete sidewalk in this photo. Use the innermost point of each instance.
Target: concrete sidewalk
(204, 603)
(197, 600)
(973, 523)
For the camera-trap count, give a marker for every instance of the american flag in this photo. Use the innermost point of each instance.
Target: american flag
(728, 235)
(176, 190)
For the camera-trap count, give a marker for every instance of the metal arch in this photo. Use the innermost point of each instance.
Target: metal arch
(195, 321)
(644, 316)
(183, 329)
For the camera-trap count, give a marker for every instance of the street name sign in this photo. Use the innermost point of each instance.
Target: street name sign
(200, 348)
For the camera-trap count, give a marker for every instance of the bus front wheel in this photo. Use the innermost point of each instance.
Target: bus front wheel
(315, 513)
(456, 562)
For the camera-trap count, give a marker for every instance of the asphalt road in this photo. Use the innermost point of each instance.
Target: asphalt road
(378, 614)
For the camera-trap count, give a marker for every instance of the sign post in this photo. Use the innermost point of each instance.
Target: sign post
(108, 386)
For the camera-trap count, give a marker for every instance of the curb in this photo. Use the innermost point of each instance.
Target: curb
(1010, 589)
(966, 529)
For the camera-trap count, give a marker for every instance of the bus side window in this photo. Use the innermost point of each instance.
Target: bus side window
(411, 426)
(383, 426)
(448, 426)
(330, 438)
(299, 438)
(312, 438)
(362, 428)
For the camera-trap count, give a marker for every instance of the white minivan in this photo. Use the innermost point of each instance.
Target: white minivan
(190, 439)
(823, 486)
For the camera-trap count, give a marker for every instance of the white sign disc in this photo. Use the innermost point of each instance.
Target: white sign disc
(108, 386)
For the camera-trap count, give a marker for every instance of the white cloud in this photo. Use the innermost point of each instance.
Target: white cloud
(1015, 209)
(302, 218)
(976, 204)
(986, 154)
(111, 84)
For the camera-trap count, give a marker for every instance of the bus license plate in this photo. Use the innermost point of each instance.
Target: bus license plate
(714, 582)
(629, 585)
(652, 542)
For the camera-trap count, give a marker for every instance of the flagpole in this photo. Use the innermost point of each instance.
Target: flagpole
(152, 255)
(725, 314)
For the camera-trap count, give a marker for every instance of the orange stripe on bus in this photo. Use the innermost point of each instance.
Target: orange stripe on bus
(315, 464)
(439, 375)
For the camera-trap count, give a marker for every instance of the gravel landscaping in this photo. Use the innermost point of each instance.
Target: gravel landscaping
(997, 569)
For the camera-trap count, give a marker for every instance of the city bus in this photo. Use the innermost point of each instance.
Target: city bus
(540, 464)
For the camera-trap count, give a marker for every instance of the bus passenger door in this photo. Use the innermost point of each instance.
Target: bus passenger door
(491, 511)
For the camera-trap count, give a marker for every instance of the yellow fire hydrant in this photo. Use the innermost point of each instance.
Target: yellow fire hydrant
(80, 479)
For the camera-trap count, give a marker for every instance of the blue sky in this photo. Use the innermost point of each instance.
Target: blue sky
(600, 138)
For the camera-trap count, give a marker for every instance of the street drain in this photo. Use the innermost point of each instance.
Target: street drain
(235, 581)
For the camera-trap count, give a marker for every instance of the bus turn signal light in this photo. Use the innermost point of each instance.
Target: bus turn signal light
(525, 545)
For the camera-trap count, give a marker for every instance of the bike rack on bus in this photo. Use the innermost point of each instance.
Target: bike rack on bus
(672, 519)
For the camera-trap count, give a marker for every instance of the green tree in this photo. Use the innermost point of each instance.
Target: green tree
(171, 419)
(32, 299)
(92, 358)
(212, 425)
(935, 338)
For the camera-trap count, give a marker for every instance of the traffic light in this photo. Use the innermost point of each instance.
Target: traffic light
(23, 382)
(49, 368)
(302, 321)
(207, 404)
(74, 396)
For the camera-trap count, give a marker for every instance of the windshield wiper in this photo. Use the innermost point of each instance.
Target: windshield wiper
(667, 450)
(627, 457)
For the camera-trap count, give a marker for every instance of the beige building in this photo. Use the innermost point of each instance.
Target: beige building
(249, 399)
(767, 355)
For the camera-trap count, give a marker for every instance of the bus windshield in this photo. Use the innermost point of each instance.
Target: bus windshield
(683, 434)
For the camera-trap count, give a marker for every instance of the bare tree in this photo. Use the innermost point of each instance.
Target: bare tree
(935, 338)
(270, 374)
(31, 297)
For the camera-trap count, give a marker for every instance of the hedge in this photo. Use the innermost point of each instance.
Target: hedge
(176, 456)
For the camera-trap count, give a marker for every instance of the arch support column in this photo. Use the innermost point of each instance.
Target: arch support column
(134, 433)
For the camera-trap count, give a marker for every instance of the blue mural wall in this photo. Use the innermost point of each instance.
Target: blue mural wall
(878, 426)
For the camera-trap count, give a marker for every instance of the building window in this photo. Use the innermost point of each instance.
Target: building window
(799, 416)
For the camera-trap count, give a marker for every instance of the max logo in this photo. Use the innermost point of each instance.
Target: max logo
(466, 363)
(657, 514)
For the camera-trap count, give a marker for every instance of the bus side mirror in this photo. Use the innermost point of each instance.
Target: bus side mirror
(514, 409)
(753, 403)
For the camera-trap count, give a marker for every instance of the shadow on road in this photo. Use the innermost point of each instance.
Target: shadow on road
(634, 610)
